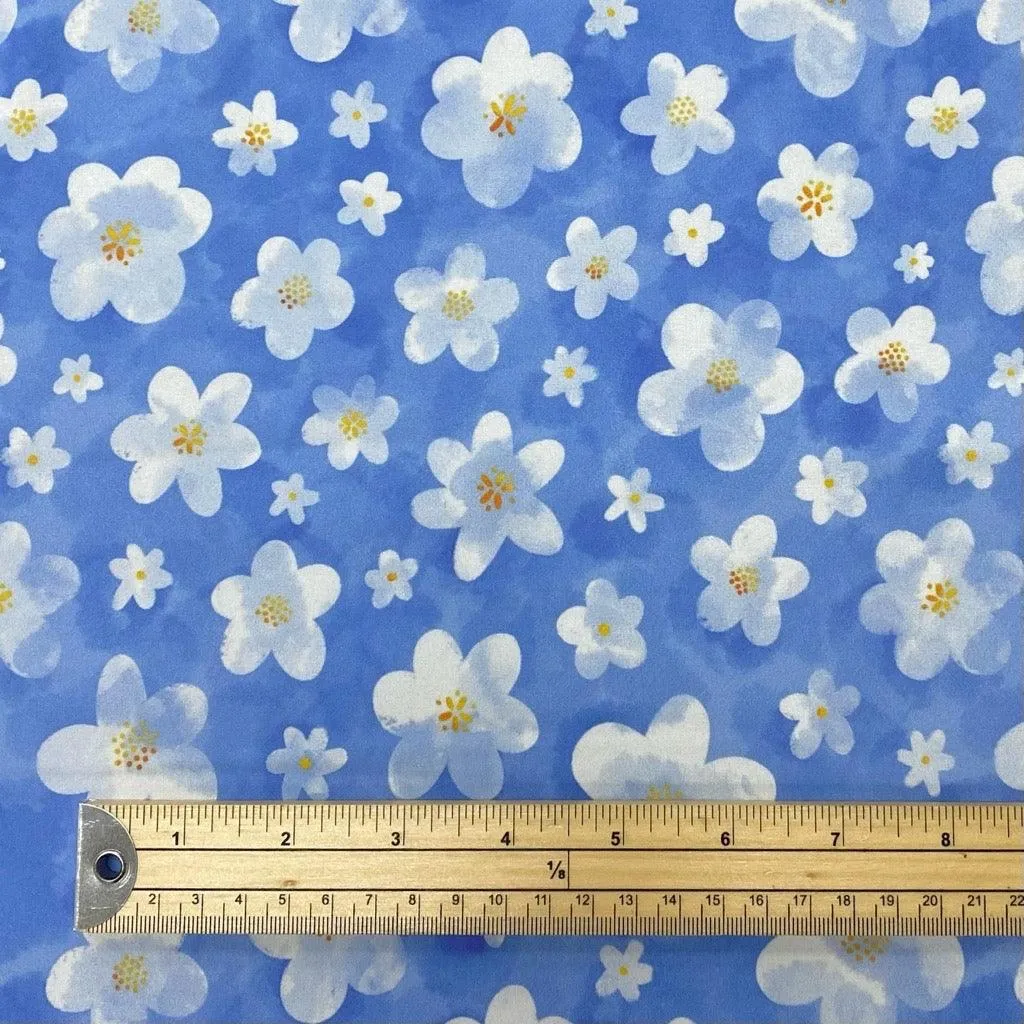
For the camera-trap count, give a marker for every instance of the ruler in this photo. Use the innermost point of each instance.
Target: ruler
(559, 868)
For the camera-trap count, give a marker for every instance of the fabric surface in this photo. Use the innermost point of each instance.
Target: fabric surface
(506, 400)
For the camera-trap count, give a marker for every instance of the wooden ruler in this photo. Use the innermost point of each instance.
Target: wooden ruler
(646, 868)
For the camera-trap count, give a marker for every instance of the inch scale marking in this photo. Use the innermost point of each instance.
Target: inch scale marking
(558, 868)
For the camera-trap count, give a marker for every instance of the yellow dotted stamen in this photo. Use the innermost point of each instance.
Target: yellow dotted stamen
(22, 121)
(664, 792)
(828, 483)
(745, 580)
(815, 198)
(130, 974)
(296, 290)
(609, 12)
(505, 113)
(971, 455)
(293, 496)
(945, 119)
(457, 305)
(274, 610)
(681, 111)
(821, 711)
(940, 597)
(305, 762)
(133, 745)
(353, 423)
(256, 135)
(391, 576)
(189, 438)
(368, 201)
(457, 711)
(723, 375)
(144, 17)
(120, 242)
(32, 459)
(603, 629)
(596, 268)
(569, 372)
(6, 598)
(893, 358)
(864, 947)
(496, 488)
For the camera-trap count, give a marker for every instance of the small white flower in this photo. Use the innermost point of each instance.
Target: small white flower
(1009, 372)
(971, 456)
(611, 16)
(567, 373)
(254, 135)
(321, 29)
(692, 233)
(351, 425)
(355, 114)
(914, 262)
(368, 201)
(77, 379)
(293, 497)
(304, 763)
(140, 576)
(942, 120)
(1000, 22)
(832, 485)
(925, 759)
(1009, 758)
(996, 230)
(623, 971)
(391, 578)
(511, 1005)
(24, 119)
(633, 499)
(8, 360)
(596, 266)
(33, 459)
(820, 714)
(604, 631)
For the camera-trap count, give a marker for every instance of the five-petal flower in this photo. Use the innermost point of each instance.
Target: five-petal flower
(25, 117)
(304, 762)
(820, 714)
(368, 201)
(832, 485)
(943, 120)
(254, 135)
(970, 455)
(604, 631)
(351, 425)
(33, 458)
(623, 971)
(77, 379)
(596, 266)
(926, 758)
(633, 499)
(391, 578)
(355, 114)
(567, 373)
(140, 576)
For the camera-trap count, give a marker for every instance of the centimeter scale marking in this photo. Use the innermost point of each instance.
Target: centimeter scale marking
(589, 868)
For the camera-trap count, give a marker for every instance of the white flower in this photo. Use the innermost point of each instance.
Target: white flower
(351, 425)
(943, 120)
(8, 15)
(77, 379)
(489, 492)
(455, 713)
(368, 201)
(668, 762)
(611, 16)
(320, 970)
(8, 360)
(861, 979)
(456, 308)
(914, 262)
(1000, 22)
(939, 598)
(321, 29)
(274, 611)
(1009, 372)
(815, 201)
(633, 499)
(122, 978)
(511, 1005)
(304, 763)
(1018, 981)
(291, 495)
(832, 485)
(140, 748)
(355, 114)
(30, 590)
(391, 578)
(746, 583)
(119, 240)
(596, 267)
(502, 117)
(971, 456)
(925, 759)
(692, 233)
(604, 631)
(726, 376)
(891, 360)
(820, 714)
(33, 459)
(24, 119)
(140, 576)
(1009, 758)
(187, 438)
(623, 971)
(832, 36)
(135, 34)
(567, 373)
(296, 293)
(254, 135)
(996, 230)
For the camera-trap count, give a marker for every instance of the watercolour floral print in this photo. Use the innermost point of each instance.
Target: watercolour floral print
(495, 399)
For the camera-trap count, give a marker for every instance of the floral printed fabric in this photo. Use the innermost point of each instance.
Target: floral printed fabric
(581, 399)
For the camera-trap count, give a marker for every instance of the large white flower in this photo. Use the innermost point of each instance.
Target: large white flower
(681, 112)
(745, 581)
(320, 970)
(832, 485)
(140, 748)
(820, 714)
(304, 763)
(456, 308)
(135, 33)
(891, 360)
(188, 438)
(623, 971)
(831, 36)
(33, 458)
(254, 135)
(1009, 758)
(971, 455)
(298, 291)
(503, 116)
(614, 762)
(942, 121)
(489, 492)
(939, 598)
(8, 360)
(351, 425)
(511, 1005)
(30, 590)
(861, 979)
(596, 266)
(119, 240)
(727, 375)
(1000, 22)
(8, 14)
(815, 200)
(321, 29)
(355, 114)
(24, 120)
(274, 610)
(121, 978)
(996, 230)
(604, 631)
(455, 713)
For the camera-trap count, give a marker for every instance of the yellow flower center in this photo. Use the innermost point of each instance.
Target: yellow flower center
(457, 305)
(864, 947)
(1011, 372)
(353, 423)
(681, 110)
(971, 455)
(456, 712)
(940, 597)
(121, 242)
(357, 115)
(821, 711)
(6, 597)
(391, 576)
(189, 438)
(140, 574)
(609, 12)
(144, 17)
(623, 970)
(305, 762)
(815, 198)
(293, 496)
(914, 261)
(77, 378)
(945, 119)
(603, 629)
(723, 375)
(32, 459)
(368, 201)
(893, 358)
(505, 114)
(691, 232)
(296, 290)
(569, 372)
(635, 497)
(133, 745)
(274, 610)
(829, 482)
(925, 759)
(129, 974)
(256, 134)
(745, 580)
(496, 488)
(596, 268)
(664, 792)
(22, 121)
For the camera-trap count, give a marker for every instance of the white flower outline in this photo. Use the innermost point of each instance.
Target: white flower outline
(942, 121)
(820, 714)
(604, 630)
(597, 267)
(305, 762)
(351, 425)
(29, 131)
(140, 575)
(253, 136)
